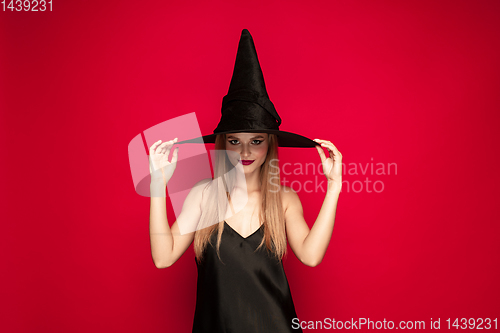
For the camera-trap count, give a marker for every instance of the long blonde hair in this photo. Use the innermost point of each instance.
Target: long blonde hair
(271, 212)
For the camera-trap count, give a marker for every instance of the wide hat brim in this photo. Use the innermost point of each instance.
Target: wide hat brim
(285, 139)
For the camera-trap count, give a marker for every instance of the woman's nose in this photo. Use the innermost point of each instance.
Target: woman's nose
(245, 151)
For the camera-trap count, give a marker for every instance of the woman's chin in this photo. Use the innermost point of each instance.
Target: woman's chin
(247, 169)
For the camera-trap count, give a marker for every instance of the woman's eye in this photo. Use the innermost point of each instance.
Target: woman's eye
(255, 142)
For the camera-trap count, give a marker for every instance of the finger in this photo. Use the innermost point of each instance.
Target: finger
(174, 155)
(333, 153)
(318, 141)
(324, 141)
(159, 148)
(167, 146)
(331, 148)
(321, 153)
(334, 147)
(153, 146)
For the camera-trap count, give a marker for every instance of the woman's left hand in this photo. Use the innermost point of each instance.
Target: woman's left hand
(332, 165)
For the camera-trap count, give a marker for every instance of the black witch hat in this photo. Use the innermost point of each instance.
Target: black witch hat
(247, 107)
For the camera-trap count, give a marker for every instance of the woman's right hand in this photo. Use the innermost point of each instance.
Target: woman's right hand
(160, 168)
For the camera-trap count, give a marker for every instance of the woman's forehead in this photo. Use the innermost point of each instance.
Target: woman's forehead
(247, 135)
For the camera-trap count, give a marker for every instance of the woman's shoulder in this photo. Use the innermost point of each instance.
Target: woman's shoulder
(286, 190)
(198, 188)
(203, 182)
(288, 196)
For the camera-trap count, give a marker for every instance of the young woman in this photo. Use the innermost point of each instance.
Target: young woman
(242, 220)
(254, 301)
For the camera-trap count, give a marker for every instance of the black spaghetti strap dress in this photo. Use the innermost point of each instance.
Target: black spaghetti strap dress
(247, 292)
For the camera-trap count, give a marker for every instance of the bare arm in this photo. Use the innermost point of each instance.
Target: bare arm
(310, 245)
(167, 244)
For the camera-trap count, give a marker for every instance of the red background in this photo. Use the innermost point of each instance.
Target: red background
(414, 83)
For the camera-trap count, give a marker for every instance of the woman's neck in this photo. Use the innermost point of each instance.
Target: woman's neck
(253, 181)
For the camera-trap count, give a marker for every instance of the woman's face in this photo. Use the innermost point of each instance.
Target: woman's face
(251, 147)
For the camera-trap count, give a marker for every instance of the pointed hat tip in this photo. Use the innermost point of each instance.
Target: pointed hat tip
(245, 32)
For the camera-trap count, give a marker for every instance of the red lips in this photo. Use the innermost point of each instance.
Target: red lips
(246, 162)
